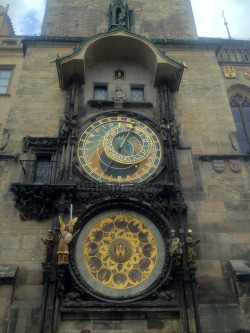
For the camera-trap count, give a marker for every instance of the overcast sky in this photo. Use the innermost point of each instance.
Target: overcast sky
(27, 16)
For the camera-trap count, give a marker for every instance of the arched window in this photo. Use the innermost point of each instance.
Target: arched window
(118, 15)
(240, 107)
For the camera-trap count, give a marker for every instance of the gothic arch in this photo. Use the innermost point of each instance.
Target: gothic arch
(239, 100)
(238, 89)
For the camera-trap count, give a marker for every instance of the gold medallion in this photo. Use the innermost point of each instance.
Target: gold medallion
(120, 252)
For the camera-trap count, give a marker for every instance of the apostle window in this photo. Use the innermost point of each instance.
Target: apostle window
(137, 94)
(240, 107)
(5, 76)
(101, 92)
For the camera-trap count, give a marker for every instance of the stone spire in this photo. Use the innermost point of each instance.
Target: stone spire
(118, 15)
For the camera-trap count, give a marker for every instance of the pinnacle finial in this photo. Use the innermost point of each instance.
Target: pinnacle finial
(226, 24)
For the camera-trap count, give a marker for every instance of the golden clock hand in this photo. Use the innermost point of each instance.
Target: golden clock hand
(108, 166)
(120, 148)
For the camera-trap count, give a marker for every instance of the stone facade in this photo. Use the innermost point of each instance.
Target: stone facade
(154, 19)
(217, 201)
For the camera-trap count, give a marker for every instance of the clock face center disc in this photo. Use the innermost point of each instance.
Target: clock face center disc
(120, 250)
(125, 149)
(127, 144)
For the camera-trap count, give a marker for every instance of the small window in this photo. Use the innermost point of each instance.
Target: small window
(101, 92)
(5, 76)
(42, 170)
(137, 94)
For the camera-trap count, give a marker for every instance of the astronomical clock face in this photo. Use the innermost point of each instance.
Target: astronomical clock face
(119, 149)
(120, 254)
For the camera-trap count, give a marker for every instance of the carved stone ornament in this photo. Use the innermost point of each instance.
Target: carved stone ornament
(235, 165)
(39, 142)
(234, 142)
(4, 139)
(119, 95)
(219, 165)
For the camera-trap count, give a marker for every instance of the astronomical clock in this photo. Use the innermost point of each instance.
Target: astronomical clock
(120, 253)
(119, 150)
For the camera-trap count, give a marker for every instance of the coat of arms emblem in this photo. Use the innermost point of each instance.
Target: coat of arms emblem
(247, 75)
(229, 72)
(219, 165)
(235, 165)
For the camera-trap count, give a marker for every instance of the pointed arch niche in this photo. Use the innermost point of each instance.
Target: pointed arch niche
(239, 99)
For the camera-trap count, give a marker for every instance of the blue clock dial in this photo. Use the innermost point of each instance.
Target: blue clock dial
(119, 150)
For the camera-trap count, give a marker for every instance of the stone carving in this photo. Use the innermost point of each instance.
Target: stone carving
(4, 139)
(64, 240)
(70, 126)
(234, 142)
(37, 142)
(49, 243)
(73, 296)
(119, 95)
(34, 201)
(219, 165)
(174, 130)
(175, 248)
(165, 129)
(190, 246)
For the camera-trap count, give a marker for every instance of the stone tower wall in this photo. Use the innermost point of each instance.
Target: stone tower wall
(153, 19)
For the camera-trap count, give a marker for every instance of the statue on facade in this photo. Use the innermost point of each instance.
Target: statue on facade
(121, 19)
(70, 126)
(175, 248)
(174, 129)
(49, 243)
(190, 246)
(119, 95)
(165, 129)
(64, 240)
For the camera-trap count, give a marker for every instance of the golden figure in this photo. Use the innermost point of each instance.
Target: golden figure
(119, 76)
(175, 248)
(190, 244)
(64, 239)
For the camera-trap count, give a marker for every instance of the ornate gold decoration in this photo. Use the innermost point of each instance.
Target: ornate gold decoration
(120, 252)
(247, 75)
(119, 150)
(64, 239)
(229, 72)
